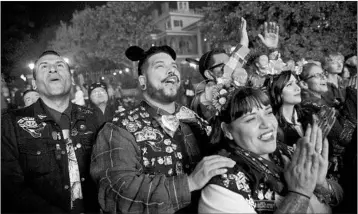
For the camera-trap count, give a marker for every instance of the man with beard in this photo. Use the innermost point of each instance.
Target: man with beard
(46, 148)
(149, 159)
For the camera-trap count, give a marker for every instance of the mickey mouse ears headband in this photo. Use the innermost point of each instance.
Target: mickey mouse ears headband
(135, 53)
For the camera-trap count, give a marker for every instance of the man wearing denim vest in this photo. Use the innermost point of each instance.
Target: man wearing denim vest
(46, 148)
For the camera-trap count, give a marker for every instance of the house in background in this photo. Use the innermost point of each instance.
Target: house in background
(178, 26)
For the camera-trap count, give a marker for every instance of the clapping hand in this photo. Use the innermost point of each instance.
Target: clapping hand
(271, 35)
(309, 164)
(301, 172)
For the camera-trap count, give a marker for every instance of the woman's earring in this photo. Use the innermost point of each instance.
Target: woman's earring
(143, 86)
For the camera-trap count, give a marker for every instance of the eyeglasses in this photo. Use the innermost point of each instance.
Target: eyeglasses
(216, 66)
(318, 75)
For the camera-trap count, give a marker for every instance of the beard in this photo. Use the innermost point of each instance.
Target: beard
(162, 95)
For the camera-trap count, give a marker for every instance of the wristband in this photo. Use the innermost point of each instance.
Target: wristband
(300, 194)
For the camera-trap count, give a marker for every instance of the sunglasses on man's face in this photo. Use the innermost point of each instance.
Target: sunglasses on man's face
(216, 66)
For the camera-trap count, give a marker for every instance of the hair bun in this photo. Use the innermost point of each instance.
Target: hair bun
(135, 53)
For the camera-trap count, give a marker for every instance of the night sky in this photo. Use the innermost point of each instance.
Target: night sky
(33, 16)
(37, 20)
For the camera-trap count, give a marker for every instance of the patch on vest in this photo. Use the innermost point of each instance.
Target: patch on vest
(30, 125)
(85, 110)
(148, 133)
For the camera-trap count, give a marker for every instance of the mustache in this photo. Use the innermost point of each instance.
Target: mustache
(169, 76)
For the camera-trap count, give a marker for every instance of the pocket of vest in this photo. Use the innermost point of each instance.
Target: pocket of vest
(37, 156)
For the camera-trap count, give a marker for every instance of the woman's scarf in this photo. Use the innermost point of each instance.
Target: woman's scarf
(262, 171)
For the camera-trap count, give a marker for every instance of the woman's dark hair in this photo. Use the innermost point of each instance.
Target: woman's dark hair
(242, 101)
(306, 70)
(275, 89)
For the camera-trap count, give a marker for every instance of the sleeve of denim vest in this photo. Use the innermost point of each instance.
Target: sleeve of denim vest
(123, 187)
(16, 195)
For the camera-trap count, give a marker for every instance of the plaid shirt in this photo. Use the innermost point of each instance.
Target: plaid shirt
(125, 182)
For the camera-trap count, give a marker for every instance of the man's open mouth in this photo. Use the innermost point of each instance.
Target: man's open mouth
(172, 80)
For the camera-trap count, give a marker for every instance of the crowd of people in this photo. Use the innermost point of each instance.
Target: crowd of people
(258, 135)
(107, 100)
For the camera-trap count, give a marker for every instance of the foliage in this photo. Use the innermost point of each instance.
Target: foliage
(104, 33)
(15, 39)
(307, 29)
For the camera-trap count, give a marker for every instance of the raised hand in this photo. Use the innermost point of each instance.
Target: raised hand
(207, 168)
(271, 35)
(244, 41)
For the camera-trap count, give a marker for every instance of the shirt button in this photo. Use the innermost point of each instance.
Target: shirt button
(38, 152)
(63, 152)
(78, 145)
(187, 166)
(82, 127)
(82, 179)
(66, 187)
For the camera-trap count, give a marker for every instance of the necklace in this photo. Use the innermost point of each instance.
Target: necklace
(257, 163)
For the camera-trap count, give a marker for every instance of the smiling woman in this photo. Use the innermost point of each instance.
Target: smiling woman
(263, 179)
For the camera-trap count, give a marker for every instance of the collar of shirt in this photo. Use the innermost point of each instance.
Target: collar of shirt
(156, 111)
(63, 119)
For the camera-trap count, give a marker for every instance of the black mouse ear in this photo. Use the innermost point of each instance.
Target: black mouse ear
(135, 53)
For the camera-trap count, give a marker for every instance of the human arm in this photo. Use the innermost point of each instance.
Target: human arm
(330, 192)
(244, 40)
(301, 174)
(123, 187)
(327, 191)
(217, 199)
(17, 196)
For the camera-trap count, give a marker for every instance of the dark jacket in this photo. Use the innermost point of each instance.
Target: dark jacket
(287, 133)
(341, 133)
(108, 114)
(34, 171)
